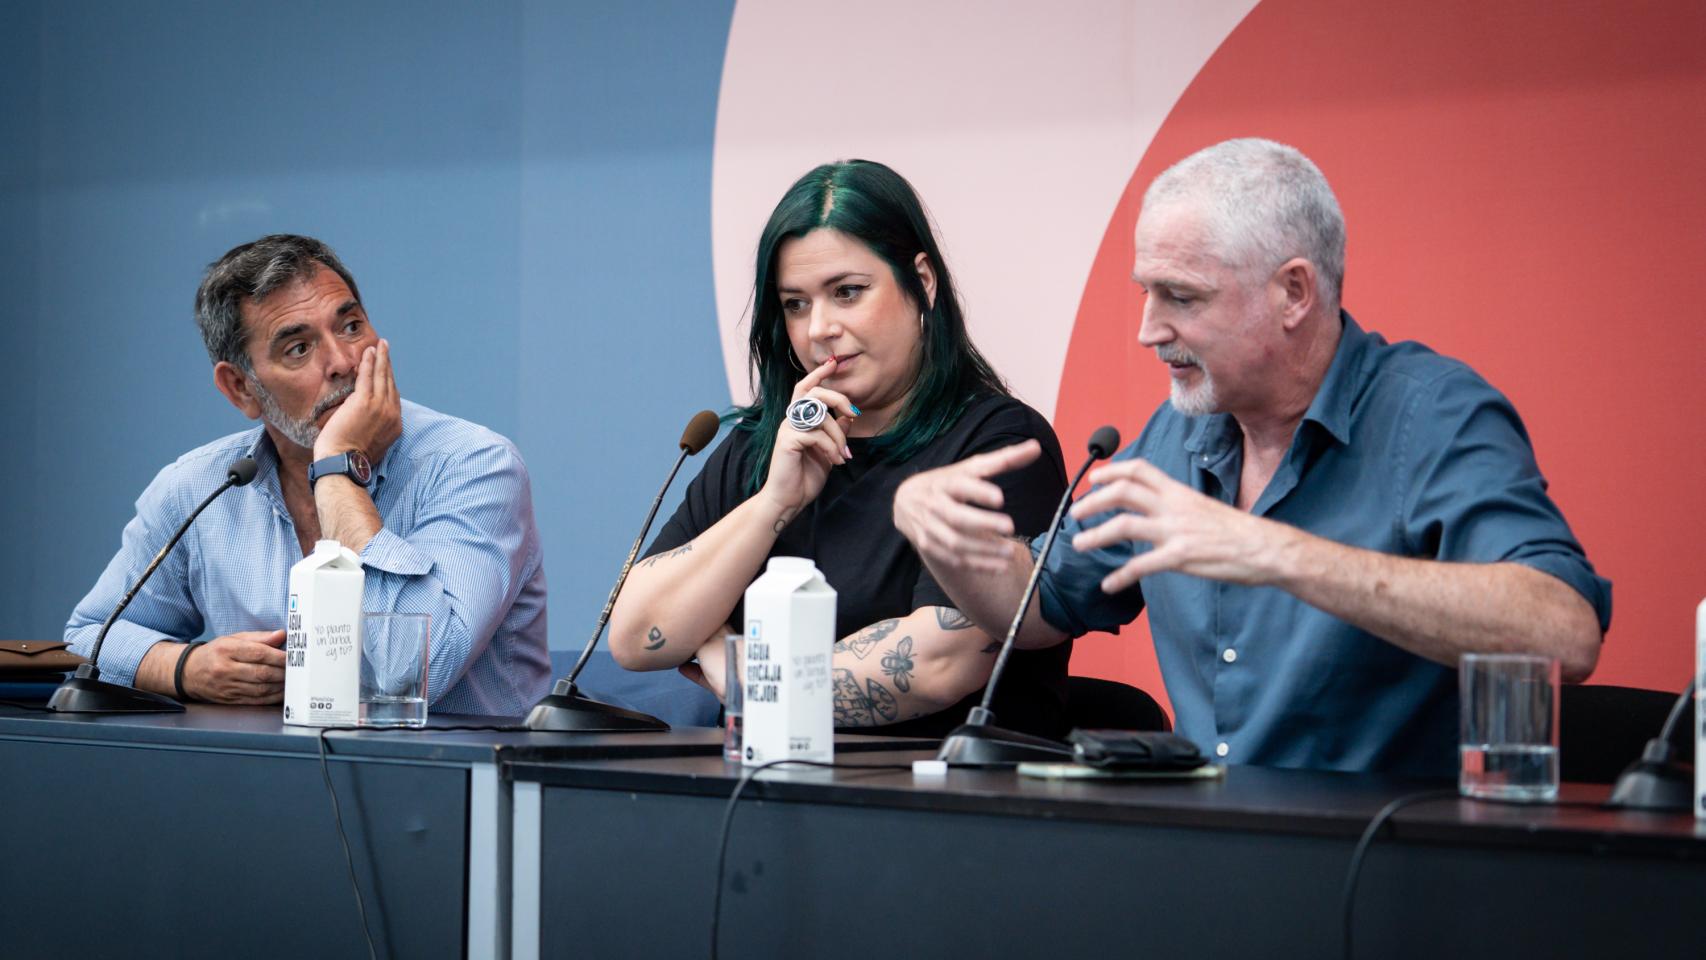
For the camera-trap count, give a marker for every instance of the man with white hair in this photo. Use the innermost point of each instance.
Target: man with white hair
(1319, 523)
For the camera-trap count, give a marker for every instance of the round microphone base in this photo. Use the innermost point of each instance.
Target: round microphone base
(566, 710)
(984, 745)
(86, 694)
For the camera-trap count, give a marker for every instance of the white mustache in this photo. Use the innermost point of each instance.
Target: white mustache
(336, 397)
(1175, 354)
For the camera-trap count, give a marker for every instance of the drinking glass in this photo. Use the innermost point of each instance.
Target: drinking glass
(1508, 746)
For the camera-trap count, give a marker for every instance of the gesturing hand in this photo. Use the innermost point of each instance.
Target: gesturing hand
(801, 460)
(371, 418)
(1190, 533)
(952, 515)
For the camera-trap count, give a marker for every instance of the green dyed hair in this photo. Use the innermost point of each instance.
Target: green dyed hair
(871, 202)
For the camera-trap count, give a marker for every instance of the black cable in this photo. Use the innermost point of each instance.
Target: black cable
(1385, 814)
(729, 816)
(338, 817)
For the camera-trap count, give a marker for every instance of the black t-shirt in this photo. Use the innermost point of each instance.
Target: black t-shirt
(848, 531)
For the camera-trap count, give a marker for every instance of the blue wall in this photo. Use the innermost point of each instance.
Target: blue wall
(520, 189)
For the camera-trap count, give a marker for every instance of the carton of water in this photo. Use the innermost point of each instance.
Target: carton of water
(790, 637)
(322, 643)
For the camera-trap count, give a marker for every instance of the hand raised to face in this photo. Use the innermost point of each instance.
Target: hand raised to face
(801, 459)
(371, 418)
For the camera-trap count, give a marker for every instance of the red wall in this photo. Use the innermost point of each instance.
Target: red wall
(1524, 189)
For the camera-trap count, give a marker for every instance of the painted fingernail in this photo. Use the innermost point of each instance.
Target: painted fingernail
(855, 409)
(847, 452)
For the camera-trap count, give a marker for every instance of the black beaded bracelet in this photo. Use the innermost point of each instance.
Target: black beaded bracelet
(178, 674)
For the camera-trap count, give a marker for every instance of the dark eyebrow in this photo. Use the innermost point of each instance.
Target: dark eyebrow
(285, 333)
(348, 307)
(832, 281)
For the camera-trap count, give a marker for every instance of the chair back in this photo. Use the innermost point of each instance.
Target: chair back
(1602, 729)
(1096, 704)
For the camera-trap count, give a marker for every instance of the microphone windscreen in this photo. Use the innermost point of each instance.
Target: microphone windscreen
(242, 471)
(1104, 442)
(701, 430)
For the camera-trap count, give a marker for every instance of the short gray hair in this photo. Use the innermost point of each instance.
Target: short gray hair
(1266, 203)
(252, 271)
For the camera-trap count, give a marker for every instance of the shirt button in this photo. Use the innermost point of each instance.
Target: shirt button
(1229, 655)
(1222, 748)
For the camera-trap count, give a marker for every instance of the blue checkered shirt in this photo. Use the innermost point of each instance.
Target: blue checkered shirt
(458, 543)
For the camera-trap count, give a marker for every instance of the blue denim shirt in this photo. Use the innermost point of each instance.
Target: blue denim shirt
(458, 543)
(1402, 451)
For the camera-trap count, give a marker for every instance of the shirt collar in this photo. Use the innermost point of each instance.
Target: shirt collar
(266, 459)
(1331, 407)
(1215, 434)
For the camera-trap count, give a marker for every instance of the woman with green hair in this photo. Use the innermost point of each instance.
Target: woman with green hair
(856, 332)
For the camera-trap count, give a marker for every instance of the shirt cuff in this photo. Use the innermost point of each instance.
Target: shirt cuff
(126, 644)
(389, 553)
(1594, 588)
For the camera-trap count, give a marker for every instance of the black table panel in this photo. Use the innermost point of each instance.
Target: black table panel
(849, 863)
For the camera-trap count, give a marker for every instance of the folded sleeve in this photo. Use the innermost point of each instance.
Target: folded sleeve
(463, 562)
(1476, 494)
(1069, 592)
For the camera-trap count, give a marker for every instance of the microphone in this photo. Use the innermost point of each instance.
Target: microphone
(85, 691)
(1660, 779)
(565, 707)
(979, 742)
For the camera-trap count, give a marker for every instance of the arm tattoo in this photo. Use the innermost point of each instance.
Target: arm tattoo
(655, 639)
(782, 521)
(678, 551)
(862, 642)
(949, 618)
(862, 708)
(898, 664)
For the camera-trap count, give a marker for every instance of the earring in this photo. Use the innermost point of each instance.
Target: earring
(920, 321)
(794, 362)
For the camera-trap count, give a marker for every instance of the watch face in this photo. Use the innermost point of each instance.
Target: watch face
(360, 469)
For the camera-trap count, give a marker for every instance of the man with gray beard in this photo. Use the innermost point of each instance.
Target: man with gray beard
(439, 510)
(1318, 522)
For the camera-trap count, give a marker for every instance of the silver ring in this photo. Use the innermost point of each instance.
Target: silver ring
(807, 413)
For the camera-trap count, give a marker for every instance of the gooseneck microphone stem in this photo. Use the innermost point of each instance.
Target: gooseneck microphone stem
(565, 708)
(979, 742)
(627, 565)
(85, 691)
(101, 638)
(983, 711)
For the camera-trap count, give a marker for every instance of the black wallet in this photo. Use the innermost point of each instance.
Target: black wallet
(1135, 750)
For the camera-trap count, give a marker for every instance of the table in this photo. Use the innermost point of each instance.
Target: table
(209, 833)
(869, 863)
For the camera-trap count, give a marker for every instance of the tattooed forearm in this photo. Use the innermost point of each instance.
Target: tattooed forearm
(950, 619)
(783, 521)
(860, 643)
(678, 551)
(655, 639)
(897, 663)
(862, 708)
